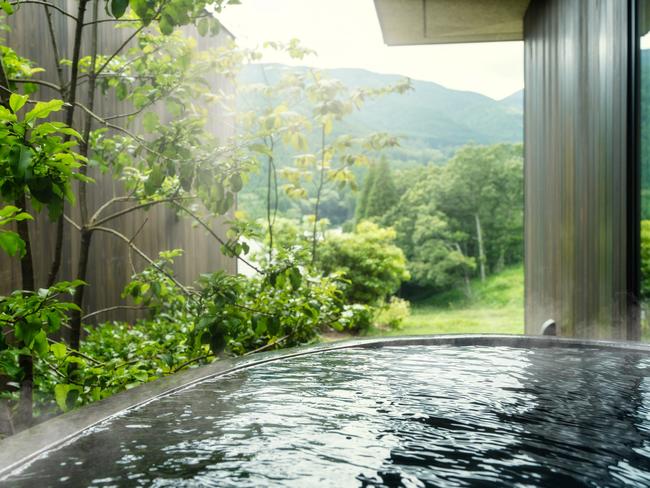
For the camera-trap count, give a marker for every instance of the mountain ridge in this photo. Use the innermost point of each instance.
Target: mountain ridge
(431, 116)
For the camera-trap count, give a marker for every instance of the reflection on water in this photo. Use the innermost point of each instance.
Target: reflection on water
(399, 416)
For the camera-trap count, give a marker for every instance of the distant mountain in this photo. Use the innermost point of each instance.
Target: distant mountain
(514, 102)
(430, 116)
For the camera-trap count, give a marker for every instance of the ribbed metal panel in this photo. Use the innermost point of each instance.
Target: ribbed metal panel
(576, 176)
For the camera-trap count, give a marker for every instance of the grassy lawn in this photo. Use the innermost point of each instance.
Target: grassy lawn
(496, 306)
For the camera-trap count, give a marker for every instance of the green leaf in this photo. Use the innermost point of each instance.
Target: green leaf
(121, 91)
(166, 25)
(16, 102)
(8, 367)
(6, 114)
(118, 7)
(202, 27)
(11, 243)
(9, 213)
(150, 121)
(43, 109)
(53, 321)
(70, 132)
(66, 396)
(139, 374)
(6, 6)
(155, 179)
(215, 26)
(260, 324)
(39, 344)
(295, 278)
(20, 158)
(26, 331)
(273, 326)
(59, 350)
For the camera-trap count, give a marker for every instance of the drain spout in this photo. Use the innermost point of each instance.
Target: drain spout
(549, 328)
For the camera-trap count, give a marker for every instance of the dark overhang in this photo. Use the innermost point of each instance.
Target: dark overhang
(407, 22)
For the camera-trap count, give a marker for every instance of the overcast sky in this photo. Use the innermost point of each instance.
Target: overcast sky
(346, 34)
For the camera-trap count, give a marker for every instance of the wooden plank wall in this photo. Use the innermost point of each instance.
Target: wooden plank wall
(577, 248)
(109, 267)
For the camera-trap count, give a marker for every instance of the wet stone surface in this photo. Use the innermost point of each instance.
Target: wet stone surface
(396, 416)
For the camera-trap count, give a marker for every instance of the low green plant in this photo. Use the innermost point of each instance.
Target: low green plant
(645, 260)
(392, 314)
(356, 318)
(27, 319)
(221, 315)
(368, 259)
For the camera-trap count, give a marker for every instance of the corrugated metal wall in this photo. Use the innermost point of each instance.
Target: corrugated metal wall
(577, 241)
(109, 267)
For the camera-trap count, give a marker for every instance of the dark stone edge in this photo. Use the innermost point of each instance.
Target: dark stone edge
(23, 447)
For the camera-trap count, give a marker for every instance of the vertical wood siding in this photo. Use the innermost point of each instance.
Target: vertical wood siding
(576, 182)
(109, 266)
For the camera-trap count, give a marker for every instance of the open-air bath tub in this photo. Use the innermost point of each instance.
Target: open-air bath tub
(423, 411)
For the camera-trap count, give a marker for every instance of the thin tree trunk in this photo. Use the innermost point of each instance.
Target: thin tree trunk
(25, 415)
(468, 286)
(58, 251)
(481, 251)
(268, 209)
(321, 183)
(26, 263)
(75, 318)
(69, 119)
(86, 233)
(501, 262)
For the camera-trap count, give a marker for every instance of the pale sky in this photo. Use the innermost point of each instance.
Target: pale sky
(346, 34)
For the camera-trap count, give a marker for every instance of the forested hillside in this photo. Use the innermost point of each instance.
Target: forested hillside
(430, 121)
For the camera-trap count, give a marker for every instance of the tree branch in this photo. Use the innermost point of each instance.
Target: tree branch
(47, 4)
(133, 209)
(72, 222)
(119, 49)
(143, 256)
(111, 309)
(36, 82)
(77, 353)
(133, 136)
(55, 49)
(108, 204)
(187, 363)
(268, 346)
(71, 97)
(214, 234)
(101, 21)
(140, 110)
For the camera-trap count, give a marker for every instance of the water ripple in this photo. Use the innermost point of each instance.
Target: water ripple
(413, 416)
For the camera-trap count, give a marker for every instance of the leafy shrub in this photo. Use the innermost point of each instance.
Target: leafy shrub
(355, 318)
(27, 319)
(368, 258)
(222, 315)
(393, 313)
(286, 307)
(645, 259)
